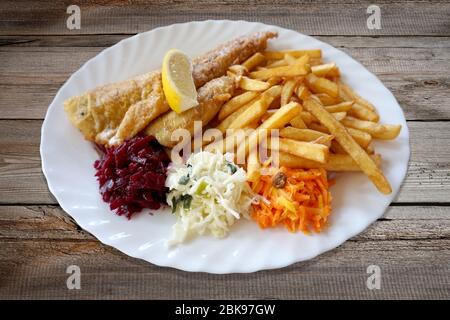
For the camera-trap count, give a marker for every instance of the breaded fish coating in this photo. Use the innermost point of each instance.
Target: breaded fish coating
(211, 97)
(115, 112)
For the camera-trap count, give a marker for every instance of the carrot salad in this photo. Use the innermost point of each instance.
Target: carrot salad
(299, 199)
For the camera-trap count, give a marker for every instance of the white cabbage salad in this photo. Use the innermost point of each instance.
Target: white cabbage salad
(207, 194)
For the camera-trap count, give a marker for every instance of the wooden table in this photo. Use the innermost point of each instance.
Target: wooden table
(410, 54)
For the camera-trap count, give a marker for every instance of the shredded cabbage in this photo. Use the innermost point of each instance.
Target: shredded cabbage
(207, 194)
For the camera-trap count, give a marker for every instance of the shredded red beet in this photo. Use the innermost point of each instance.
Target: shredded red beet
(132, 175)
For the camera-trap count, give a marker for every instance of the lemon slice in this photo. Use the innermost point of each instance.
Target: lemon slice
(178, 84)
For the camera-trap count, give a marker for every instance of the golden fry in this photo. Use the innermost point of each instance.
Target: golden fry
(326, 99)
(307, 150)
(235, 103)
(274, 80)
(289, 58)
(361, 137)
(337, 148)
(358, 154)
(363, 113)
(253, 165)
(277, 121)
(223, 126)
(253, 85)
(350, 94)
(287, 91)
(322, 85)
(277, 55)
(238, 70)
(335, 162)
(307, 135)
(298, 122)
(297, 69)
(302, 92)
(257, 109)
(254, 61)
(339, 115)
(277, 63)
(326, 70)
(340, 107)
(376, 130)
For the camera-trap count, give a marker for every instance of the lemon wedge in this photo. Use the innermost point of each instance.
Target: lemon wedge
(178, 84)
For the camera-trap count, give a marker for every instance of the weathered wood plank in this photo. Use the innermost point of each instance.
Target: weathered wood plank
(418, 77)
(52, 223)
(21, 180)
(39, 242)
(316, 18)
(107, 40)
(410, 269)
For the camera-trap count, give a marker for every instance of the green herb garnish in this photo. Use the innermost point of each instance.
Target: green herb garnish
(184, 199)
(184, 180)
(187, 199)
(232, 167)
(174, 204)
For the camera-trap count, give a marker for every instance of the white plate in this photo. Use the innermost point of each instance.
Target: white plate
(67, 161)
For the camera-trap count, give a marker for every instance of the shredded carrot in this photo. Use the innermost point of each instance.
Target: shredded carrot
(303, 204)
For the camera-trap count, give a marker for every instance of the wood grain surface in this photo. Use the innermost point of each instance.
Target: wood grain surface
(410, 54)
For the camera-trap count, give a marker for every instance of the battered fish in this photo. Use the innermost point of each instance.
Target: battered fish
(112, 113)
(211, 97)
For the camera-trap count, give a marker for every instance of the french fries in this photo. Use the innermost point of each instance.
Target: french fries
(253, 165)
(322, 85)
(334, 130)
(298, 122)
(277, 55)
(302, 92)
(277, 63)
(363, 113)
(282, 116)
(307, 150)
(228, 144)
(253, 85)
(376, 130)
(235, 103)
(339, 115)
(358, 154)
(307, 135)
(238, 70)
(254, 61)
(335, 162)
(326, 70)
(307, 117)
(340, 107)
(297, 69)
(348, 93)
(337, 148)
(289, 58)
(326, 99)
(288, 90)
(361, 137)
(223, 126)
(277, 121)
(257, 109)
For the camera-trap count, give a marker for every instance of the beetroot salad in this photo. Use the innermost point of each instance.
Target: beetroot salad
(132, 175)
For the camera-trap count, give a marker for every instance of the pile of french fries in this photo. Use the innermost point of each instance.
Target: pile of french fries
(322, 122)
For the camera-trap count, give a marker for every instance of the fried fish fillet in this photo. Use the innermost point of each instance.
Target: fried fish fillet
(112, 113)
(211, 97)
